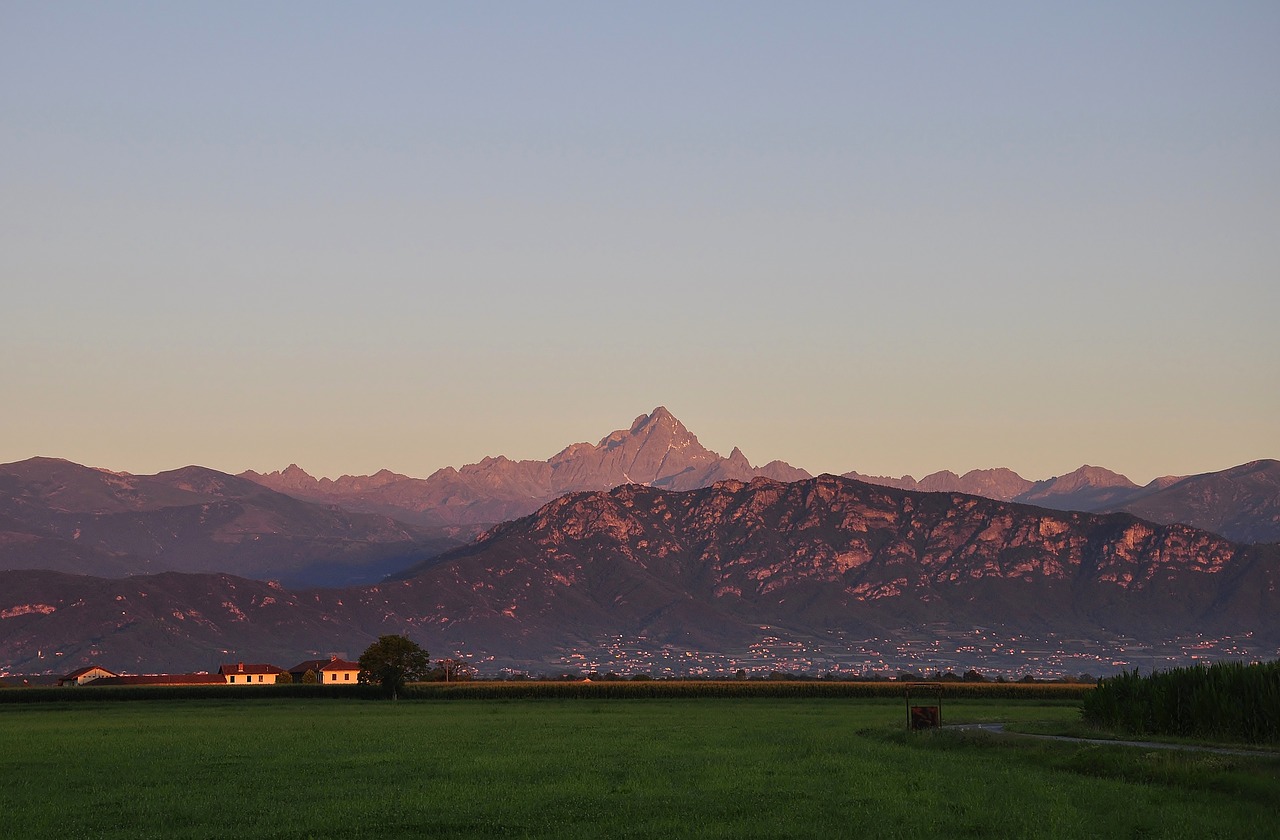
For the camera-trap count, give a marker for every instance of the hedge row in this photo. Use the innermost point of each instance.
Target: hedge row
(532, 690)
(1228, 701)
(89, 693)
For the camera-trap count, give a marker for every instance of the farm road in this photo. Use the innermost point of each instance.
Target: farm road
(998, 729)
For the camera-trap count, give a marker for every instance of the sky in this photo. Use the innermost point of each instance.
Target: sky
(884, 237)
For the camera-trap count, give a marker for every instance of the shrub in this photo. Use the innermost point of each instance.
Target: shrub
(1226, 700)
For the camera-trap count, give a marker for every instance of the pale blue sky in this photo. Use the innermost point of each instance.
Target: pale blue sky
(884, 237)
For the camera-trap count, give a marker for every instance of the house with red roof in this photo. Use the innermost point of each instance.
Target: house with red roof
(87, 674)
(331, 671)
(250, 674)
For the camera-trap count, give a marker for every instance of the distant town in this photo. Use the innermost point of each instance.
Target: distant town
(936, 649)
(926, 650)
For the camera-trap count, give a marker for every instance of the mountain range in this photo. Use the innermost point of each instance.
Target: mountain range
(1241, 503)
(644, 539)
(703, 571)
(61, 516)
(656, 450)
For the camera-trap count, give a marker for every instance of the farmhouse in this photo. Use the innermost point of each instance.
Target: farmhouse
(252, 674)
(328, 671)
(89, 673)
(331, 671)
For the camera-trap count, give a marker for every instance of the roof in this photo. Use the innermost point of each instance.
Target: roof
(248, 668)
(80, 672)
(318, 665)
(163, 679)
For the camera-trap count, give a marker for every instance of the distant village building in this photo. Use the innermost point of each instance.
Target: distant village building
(328, 671)
(252, 674)
(331, 671)
(89, 673)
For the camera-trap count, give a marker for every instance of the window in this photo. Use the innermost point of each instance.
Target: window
(231, 679)
(347, 676)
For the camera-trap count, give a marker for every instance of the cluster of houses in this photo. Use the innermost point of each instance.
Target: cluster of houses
(329, 671)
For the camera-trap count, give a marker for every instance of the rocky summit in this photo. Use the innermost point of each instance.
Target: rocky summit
(655, 450)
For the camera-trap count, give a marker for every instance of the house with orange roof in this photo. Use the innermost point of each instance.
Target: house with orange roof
(250, 674)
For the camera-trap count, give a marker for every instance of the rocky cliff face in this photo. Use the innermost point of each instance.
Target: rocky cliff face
(708, 566)
(752, 539)
(656, 450)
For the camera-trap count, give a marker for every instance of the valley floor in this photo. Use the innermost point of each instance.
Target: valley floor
(634, 768)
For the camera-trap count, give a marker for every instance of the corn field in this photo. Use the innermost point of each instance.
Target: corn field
(1228, 701)
(693, 689)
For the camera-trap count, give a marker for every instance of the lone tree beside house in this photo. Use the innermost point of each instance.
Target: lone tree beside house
(392, 661)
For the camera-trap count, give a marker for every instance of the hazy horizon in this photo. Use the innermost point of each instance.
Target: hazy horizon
(721, 451)
(850, 237)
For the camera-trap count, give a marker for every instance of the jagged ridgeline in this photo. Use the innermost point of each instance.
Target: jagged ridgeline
(656, 450)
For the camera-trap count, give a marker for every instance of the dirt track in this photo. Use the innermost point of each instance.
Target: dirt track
(998, 729)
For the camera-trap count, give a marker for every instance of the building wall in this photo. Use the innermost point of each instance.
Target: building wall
(251, 679)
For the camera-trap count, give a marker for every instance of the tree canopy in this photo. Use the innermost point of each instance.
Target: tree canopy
(392, 661)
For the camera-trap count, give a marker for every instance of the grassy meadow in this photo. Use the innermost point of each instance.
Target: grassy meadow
(745, 767)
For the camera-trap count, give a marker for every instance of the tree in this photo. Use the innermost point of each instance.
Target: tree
(283, 678)
(391, 662)
(310, 678)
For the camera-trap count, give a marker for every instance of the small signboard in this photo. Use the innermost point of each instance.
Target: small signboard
(925, 711)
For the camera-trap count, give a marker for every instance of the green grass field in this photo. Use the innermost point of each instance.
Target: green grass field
(638, 768)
